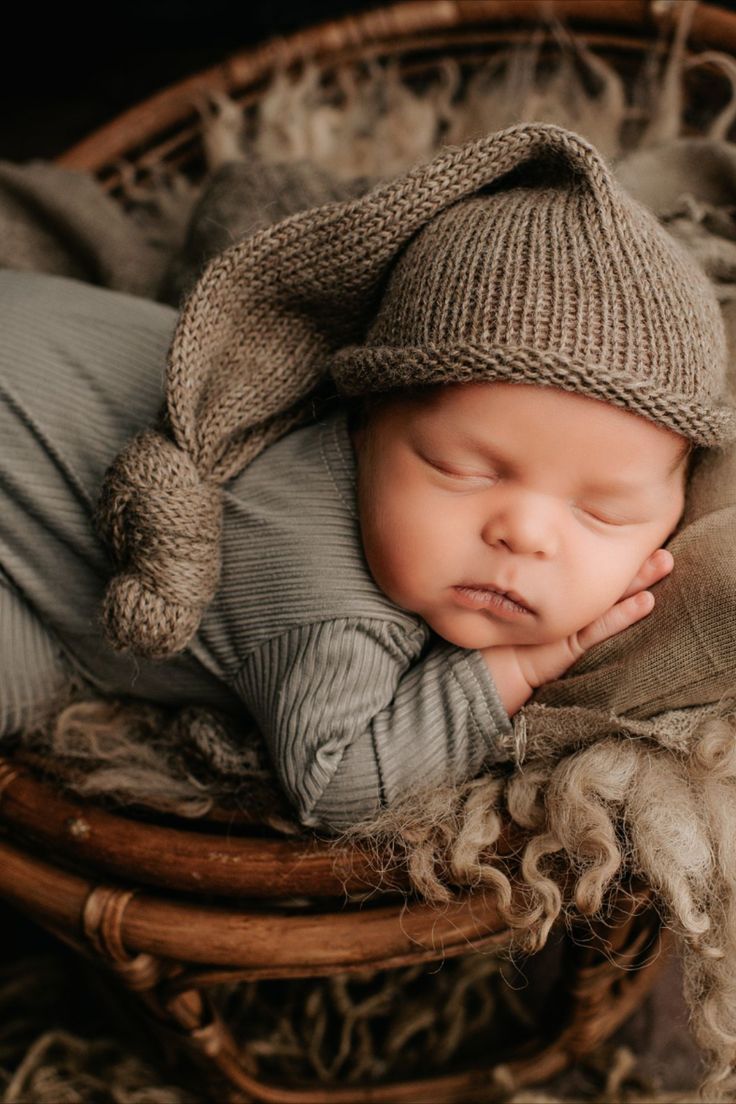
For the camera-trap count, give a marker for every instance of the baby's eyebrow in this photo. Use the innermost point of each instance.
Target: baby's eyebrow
(617, 486)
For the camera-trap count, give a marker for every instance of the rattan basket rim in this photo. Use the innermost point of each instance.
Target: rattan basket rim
(179, 856)
(433, 22)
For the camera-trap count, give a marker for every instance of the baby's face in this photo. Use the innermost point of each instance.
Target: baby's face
(557, 497)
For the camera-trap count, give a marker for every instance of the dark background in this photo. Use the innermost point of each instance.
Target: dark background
(69, 69)
(67, 72)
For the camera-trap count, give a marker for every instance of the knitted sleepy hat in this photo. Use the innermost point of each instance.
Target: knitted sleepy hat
(516, 257)
(536, 285)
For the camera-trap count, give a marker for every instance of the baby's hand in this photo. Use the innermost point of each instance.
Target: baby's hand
(518, 671)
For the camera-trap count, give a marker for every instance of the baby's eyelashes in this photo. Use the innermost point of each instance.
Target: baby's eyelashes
(444, 469)
(606, 519)
(484, 478)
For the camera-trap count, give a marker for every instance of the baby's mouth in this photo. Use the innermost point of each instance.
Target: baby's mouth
(485, 592)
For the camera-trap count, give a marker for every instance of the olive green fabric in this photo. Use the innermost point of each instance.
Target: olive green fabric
(355, 700)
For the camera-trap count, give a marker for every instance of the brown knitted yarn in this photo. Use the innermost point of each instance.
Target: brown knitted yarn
(541, 285)
(163, 525)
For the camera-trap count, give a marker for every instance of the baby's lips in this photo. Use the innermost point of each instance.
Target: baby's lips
(511, 594)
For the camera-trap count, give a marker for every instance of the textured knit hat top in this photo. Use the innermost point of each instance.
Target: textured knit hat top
(516, 257)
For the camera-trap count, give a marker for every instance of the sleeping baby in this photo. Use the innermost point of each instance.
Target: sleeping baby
(417, 453)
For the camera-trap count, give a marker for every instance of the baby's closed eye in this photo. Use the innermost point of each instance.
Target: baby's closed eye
(483, 477)
(608, 517)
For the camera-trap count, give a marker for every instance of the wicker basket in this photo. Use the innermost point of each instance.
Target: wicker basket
(166, 129)
(172, 909)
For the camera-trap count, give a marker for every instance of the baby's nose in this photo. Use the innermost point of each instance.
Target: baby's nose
(526, 525)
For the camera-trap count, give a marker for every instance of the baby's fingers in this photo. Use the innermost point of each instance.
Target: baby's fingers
(659, 564)
(619, 617)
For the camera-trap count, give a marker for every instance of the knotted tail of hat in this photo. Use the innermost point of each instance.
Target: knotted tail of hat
(254, 345)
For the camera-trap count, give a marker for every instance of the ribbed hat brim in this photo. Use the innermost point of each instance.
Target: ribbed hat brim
(360, 369)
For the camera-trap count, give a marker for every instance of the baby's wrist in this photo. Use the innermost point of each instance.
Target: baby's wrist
(505, 670)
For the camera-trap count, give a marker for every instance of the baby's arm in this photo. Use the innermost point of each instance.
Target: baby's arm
(355, 712)
(518, 671)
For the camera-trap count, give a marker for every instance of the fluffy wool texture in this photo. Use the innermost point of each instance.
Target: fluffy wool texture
(657, 803)
(621, 804)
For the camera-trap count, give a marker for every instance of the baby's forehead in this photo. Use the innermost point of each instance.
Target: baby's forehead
(557, 428)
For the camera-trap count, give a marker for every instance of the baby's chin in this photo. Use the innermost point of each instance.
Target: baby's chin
(480, 630)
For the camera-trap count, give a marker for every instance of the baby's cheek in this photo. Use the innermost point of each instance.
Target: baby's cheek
(592, 592)
(393, 557)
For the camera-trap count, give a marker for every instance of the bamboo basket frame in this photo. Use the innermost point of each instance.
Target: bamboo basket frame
(170, 909)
